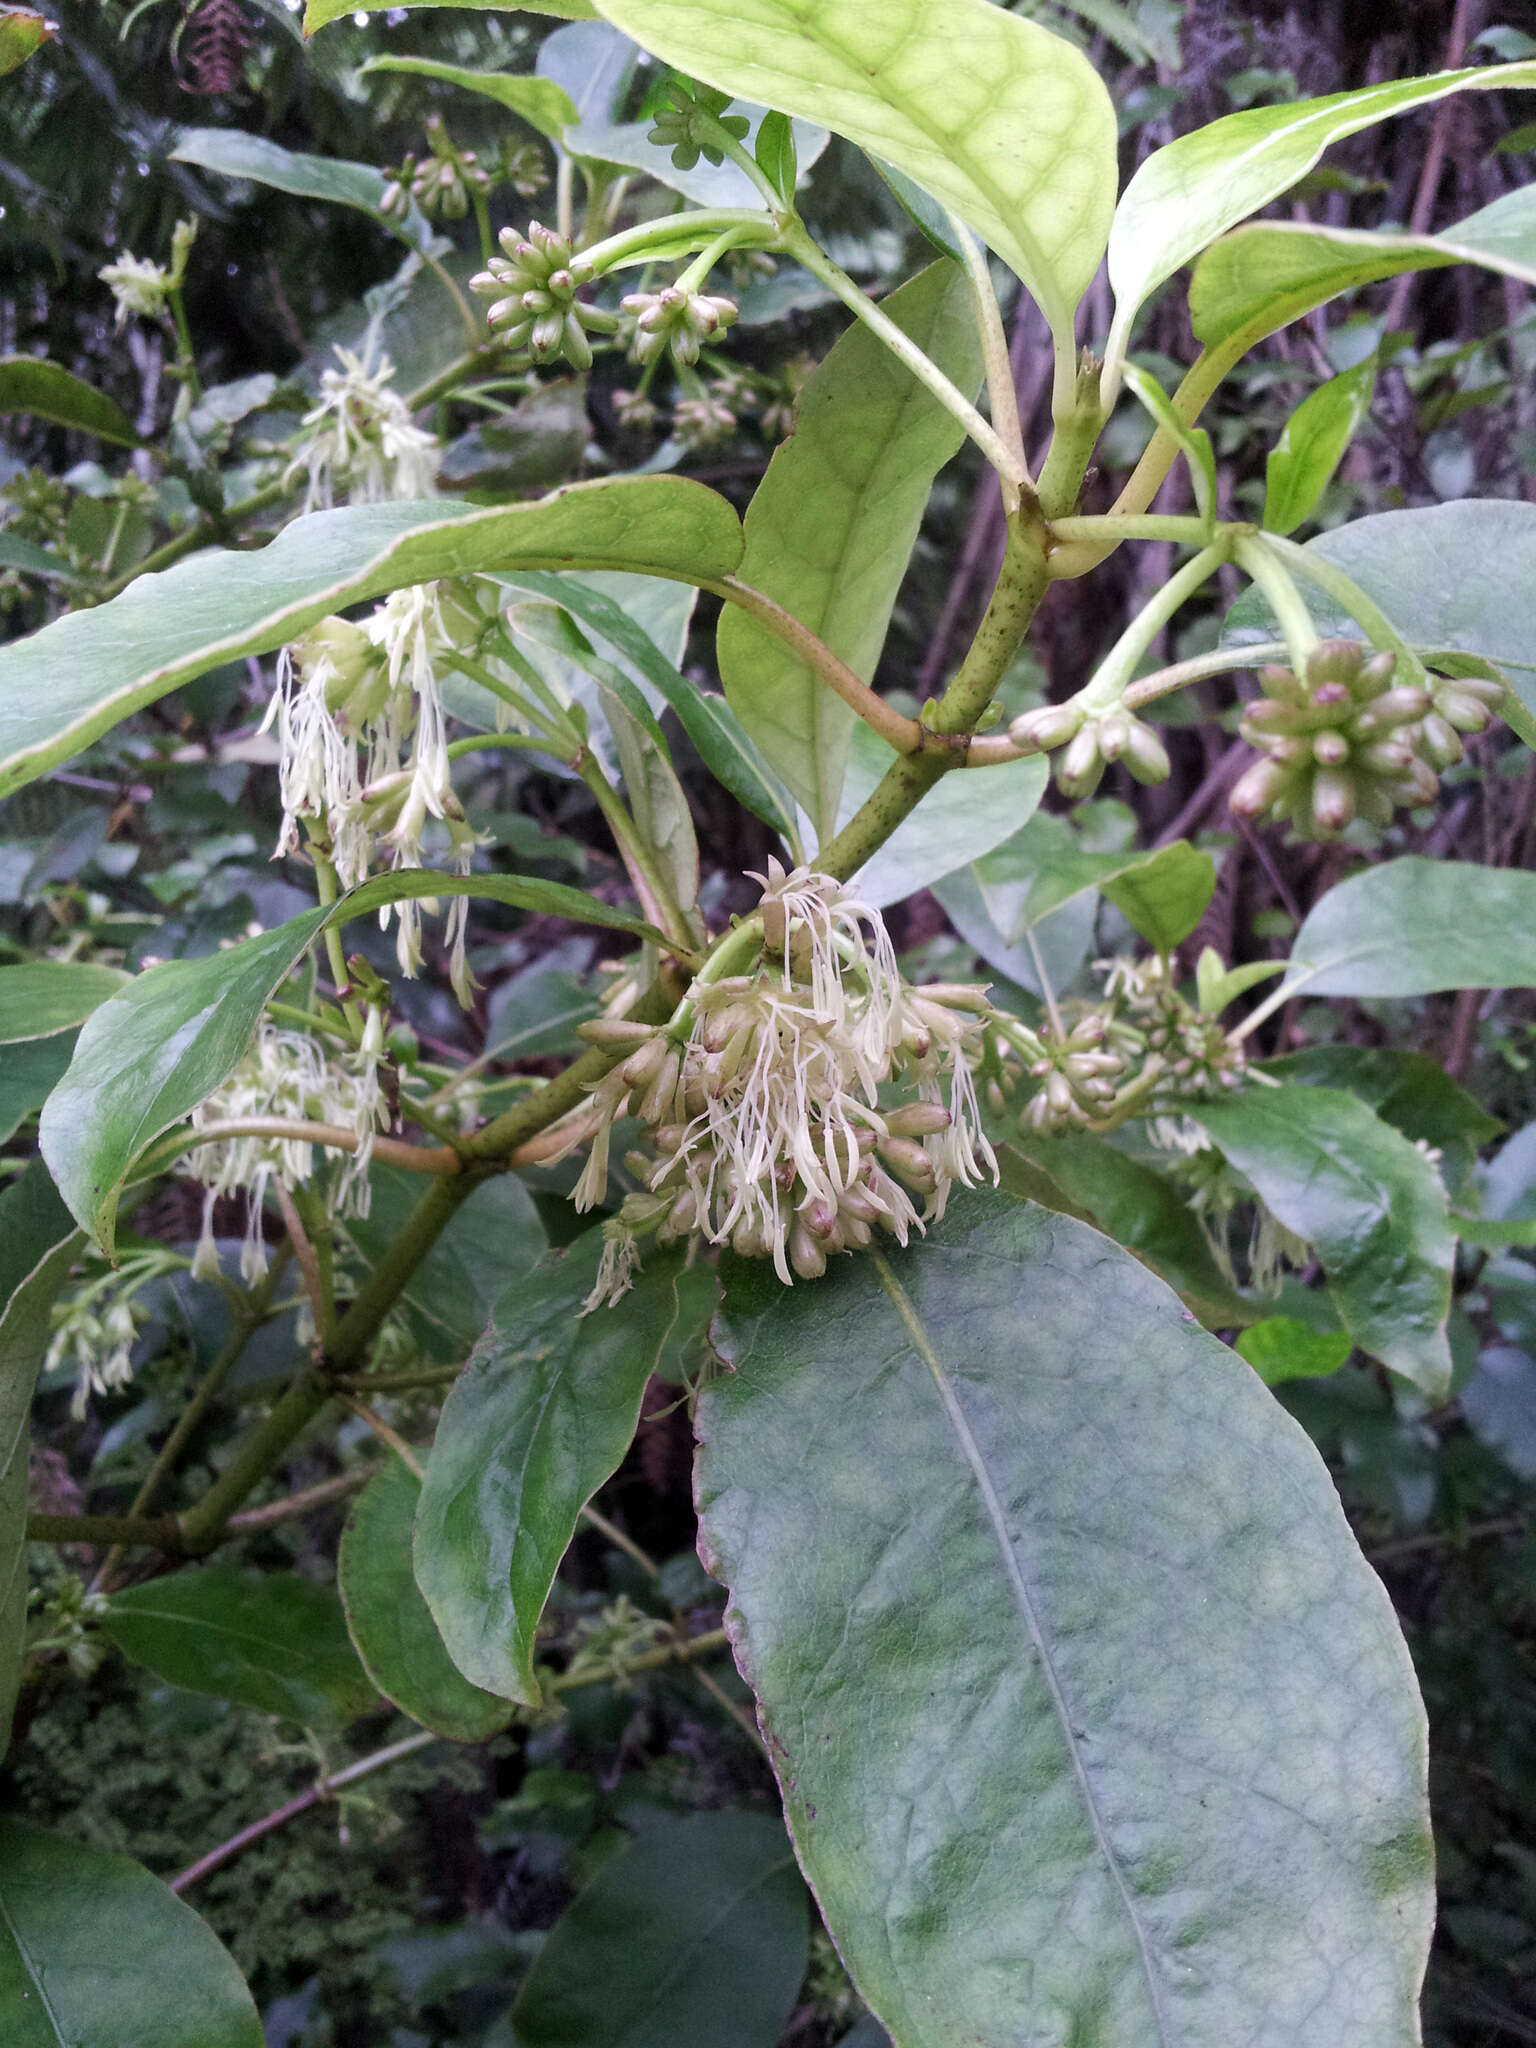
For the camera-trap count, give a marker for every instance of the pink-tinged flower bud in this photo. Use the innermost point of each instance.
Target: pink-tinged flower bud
(642, 1064)
(658, 1102)
(1114, 734)
(1388, 758)
(1402, 706)
(805, 1254)
(1047, 727)
(1331, 696)
(1419, 786)
(1330, 749)
(1257, 788)
(1333, 799)
(1375, 675)
(1333, 662)
(1282, 685)
(908, 1161)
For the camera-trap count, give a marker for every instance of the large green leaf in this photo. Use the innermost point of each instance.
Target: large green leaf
(537, 1420)
(318, 12)
(149, 1056)
(38, 1243)
(40, 997)
(96, 1953)
(1412, 927)
(32, 384)
(694, 1936)
(1264, 276)
(65, 685)
(831, 526)
(1004, 122)
(1091, 1721)
(538, 101)
(966, 813)
(271, 1640)
(1371, 1203)
(1195, 188)
(392, 1626)
(1406, 1089)
(233, 154)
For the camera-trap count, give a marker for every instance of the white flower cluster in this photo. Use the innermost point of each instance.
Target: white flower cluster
(363, 755)
(766, 1124)
(286, 1074)
(98, 1339)
(139, 288)
(361, 439)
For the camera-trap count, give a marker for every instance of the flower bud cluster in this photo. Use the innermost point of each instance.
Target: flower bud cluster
(535, 307)
(676, 319)
(1091, 743)
(770, 1125)
(1078, 1072)
(442, 185)
(1345, 741)
(689, 121)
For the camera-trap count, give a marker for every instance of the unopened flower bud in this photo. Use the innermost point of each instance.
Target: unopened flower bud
(1046, 727)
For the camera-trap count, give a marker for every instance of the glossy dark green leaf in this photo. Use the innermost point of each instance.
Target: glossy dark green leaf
(271, 1640)
(538, 101)
(537, 1420)
(831, 526)
(1370, 1202)
(149, 1056)
(1280, 1348)
(1312, 445)
(63, 686)
(96, 1953)
(233, 154)
(47, 391)
(996, 117)
(29, 1072)
(693, 1936)
(39, 997)
(1406, 1089)
(392, 1626)
(1412, 926)
(1092, 1724)
(38, 1244)
(493, 1239)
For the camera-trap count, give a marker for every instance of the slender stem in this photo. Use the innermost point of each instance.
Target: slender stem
(397, 1382)
(1076, 431)
(1258, 560)
(1106, 687)
(483, 226)
(1116, 527)
(1164, 681)
(616, 1536)
(337, 1137)
(186, 355)
(698, 226)
(639, 856)
(291, 1505)
(466, 312)
(328, 891)
(139, 1532)
(385, 1432)
(488, 742)
(202, 1524)
(904, 734)
(702, 264)
(1344, 590)
(798, 244)
(304, 1252)
(1275, 1000)
(1047, 993)
(1002, 394)
(565, 194)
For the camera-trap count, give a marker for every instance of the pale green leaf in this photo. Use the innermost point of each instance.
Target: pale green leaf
(31, 560)
(1412, 927)
(39, 997)
(22, 34)
(1162, 894)
(318, 12)
(96, 1953)
(272, 1640)
(392, 1626)
(538, 101)
(1312, 445)
(537, 1420)
(1334, 1173)
(691, 1936)
(1091, 1722)
(832, 524)
(1194, 442)
(47, 391)
(1280, 1348)
(65, 685)
(999, 119)
(230, 153)
(1195, 188)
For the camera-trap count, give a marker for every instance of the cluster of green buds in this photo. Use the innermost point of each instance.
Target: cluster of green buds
(767, 1105)
(676, 319)
(442, 186)
(534, 287)
(1343, 740)
(689, 121)
(1196, 1057)
(523, 166)
(1078, 1071)
(1090, 742)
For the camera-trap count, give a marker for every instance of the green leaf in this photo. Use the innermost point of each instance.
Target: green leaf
(538, 101)
(1162, 894)
(775, 154)
(1195, 188)
(1406, 1089)
(271, 1640)
(715, 730)
(537, 1420)
(1311, 447)
(28, 1074)
(724, 184)
(150, 1055)
(1216, 984)
(1413, 927)
(38, 1245)
(1281, 1349)
(318, 12)
(39, 997)
(232, 154)
(30, 560)
(493, 1238)
(831, 526)
(965, 814)
(536, 1014)
(392, 1626)
(1333, 1172)
(1075, 1682)
(47, 391)
(96, 1953)
(22, 35)
(1195, 442)
(656, 799)
(1264, 276)
(693, 1936)
(999, 119)
(66, 685)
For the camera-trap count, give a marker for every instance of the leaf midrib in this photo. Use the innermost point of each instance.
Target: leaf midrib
(1024, 1601)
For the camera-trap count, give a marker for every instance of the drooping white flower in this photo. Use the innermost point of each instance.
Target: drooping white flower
(138, 287)
(362, 440)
